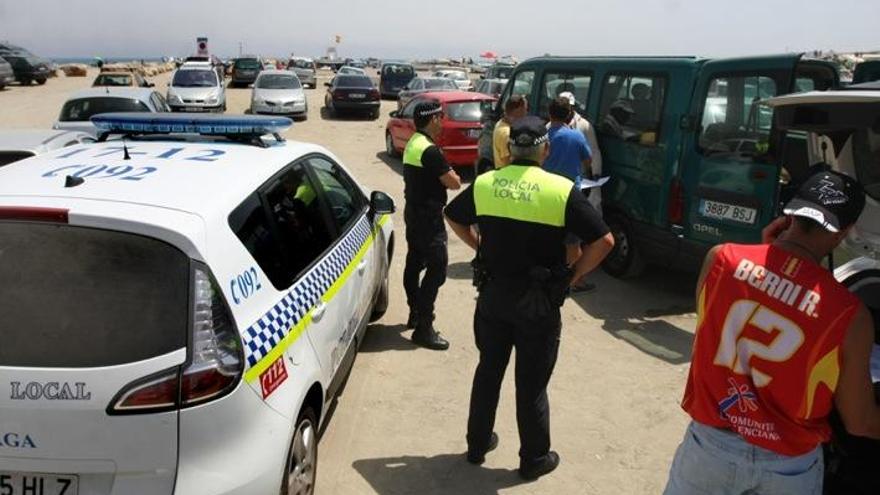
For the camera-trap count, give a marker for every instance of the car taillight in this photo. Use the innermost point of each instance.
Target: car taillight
(217, 360)
(215, 367)
(374, 93)
(676, 202)
(33, 214)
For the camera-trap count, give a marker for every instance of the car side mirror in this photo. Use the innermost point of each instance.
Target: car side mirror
(150, 84)
(393, 114)
(381, 203)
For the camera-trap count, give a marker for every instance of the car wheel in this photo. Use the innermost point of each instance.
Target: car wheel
(41, 81)
(374, 114)
(381, 304)
(25, 82)
(625, 260)
(389, 145)
(301, 468)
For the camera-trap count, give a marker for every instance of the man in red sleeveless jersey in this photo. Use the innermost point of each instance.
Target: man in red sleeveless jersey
(779, 343)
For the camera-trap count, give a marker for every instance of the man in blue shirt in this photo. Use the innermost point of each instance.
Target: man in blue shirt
(570, 153)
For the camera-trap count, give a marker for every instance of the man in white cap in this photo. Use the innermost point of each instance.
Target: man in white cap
(582, 124)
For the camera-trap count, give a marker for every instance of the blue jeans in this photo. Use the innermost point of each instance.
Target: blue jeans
(714, 461)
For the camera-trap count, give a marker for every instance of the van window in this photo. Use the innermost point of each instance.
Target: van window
(866, 156)
(556, 83)
(632, 107)
(77, 297)
(733, 119)
(521, 85)
(283, 226)
(344, 198)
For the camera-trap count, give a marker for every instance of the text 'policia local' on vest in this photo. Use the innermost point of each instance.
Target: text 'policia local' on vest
(522, 192)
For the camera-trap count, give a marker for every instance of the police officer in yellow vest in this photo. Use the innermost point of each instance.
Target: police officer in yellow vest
(523, 213)
(426, 177)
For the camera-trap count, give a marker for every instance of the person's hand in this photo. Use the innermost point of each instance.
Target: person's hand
(774, 228)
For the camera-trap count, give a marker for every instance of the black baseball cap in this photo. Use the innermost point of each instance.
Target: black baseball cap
(427, 108)
(832, 199)
(528, 131)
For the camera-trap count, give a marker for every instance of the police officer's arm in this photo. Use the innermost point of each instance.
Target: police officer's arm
(435, 163)
(461, 213)
(584, 221)
(854, 397)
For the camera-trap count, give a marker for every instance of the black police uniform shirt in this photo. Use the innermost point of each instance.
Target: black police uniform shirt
(509, 248)
(422, 186)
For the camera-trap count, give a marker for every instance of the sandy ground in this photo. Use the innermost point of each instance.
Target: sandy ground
(399, 425)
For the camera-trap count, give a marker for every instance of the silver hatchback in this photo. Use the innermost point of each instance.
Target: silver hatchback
(305, 70)
(279, 92)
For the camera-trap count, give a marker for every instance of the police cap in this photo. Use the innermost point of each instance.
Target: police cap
(527, 132)
(428, 108)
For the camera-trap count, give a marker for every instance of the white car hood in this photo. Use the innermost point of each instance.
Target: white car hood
(194, 93)
(278, 94)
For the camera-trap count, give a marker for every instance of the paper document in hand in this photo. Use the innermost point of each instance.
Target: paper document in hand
(589, 183)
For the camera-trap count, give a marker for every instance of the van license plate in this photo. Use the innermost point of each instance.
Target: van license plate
(724, 211)
(38, 484)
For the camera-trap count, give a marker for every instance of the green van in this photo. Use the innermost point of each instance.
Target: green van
(689, 147)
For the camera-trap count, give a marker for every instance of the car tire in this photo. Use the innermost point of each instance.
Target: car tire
(41, 81)
(390, 150)
(374, 115)
(25, 82)
(624, 260)
(301, 467)
(382, 297)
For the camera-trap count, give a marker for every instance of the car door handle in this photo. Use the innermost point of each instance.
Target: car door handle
(319, 310)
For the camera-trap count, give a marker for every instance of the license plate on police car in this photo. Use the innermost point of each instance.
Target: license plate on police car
(38, 484)
(724, 211)
(357, 95)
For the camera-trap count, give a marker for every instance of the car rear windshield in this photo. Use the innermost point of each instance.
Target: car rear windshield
(300, 64)
(278, 81)
(398, 70)
(468, 111)
(80, 297)
(248, 64)
(440, 84)
(194, 79)
(83, 108)
(113, 80)
(354, 82)
(7, 157)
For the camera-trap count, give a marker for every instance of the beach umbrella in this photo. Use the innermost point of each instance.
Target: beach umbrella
(489, 54)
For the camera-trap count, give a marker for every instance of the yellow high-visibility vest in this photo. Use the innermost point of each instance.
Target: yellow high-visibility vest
(523, 192)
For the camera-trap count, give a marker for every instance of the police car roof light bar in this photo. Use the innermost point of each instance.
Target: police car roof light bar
(238, 127)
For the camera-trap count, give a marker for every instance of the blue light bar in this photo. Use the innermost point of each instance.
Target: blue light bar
(182, 123)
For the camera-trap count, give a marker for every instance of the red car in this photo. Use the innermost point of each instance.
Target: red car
(462, 111)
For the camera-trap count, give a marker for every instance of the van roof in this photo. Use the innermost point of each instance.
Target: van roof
(201, 176)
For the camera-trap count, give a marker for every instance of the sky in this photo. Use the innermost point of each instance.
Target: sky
(439, 28)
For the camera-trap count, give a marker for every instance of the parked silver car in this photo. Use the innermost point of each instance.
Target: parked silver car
(305, 70)
(459, 77)
(7, 75)
(421, 85)
(20, 144)
(196, 88)
(491, 87)
(80, 107)
(279, 92)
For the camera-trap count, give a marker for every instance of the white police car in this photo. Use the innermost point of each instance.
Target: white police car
(179, 309)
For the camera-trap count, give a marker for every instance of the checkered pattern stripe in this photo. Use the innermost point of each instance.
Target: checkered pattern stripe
(261, 337)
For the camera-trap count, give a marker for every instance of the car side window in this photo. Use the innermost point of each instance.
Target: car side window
(344, 199)
(556, 83)
(283, 226)
(632, 107)
(521, 85)
(734, 121)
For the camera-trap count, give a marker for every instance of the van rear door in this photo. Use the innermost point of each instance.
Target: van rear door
(728, 179)
(88, 319)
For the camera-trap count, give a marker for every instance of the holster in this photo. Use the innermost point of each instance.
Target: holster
(546, 291)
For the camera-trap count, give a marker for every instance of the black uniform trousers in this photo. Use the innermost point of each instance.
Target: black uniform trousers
(499, 327)
(426, 241)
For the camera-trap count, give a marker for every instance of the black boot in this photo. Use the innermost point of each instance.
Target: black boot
(478, 458)
(544, 465)
(425, 335)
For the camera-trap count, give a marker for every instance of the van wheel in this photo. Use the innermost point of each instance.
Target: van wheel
(625, 260)
(381, 304)
(41, 81)
(301, 469)
(389, 146)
